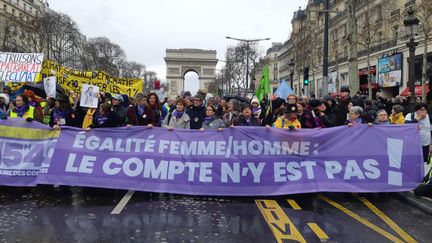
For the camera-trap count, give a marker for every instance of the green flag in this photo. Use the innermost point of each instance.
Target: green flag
(264, 85)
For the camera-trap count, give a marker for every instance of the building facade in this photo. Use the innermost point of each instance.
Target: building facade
(367, 41)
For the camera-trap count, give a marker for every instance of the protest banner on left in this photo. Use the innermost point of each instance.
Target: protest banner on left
(25, 151)
(20, 67)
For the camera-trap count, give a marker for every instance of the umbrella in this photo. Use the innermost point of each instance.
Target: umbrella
(39, 90)
(237, 97)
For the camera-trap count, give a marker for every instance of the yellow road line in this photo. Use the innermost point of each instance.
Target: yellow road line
(387, 220)
(319, 232)
(279, 223)
(293, 204)
(360, 219)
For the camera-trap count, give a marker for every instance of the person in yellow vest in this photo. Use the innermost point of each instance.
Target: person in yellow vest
(22, 109)
(289, 119)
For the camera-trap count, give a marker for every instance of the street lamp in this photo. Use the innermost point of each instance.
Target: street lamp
(411, 24)
(291, 66)
(248, 42)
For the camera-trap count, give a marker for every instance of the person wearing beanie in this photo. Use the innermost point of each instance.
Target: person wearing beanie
(256, 108)
(118, 108)
(35, 103)
(397, 116)
(289, 118)
(342, 110)
(313, 117)
(273, 112)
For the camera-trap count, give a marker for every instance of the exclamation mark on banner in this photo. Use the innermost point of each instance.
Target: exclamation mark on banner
(394, 151)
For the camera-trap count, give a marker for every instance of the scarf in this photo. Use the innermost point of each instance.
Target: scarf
(21, 110)
(208, 119)
(178, 114)
(101, 120)
(33, 103)
(141, 110)
(357, 121)
(256, 110)
(58, 114)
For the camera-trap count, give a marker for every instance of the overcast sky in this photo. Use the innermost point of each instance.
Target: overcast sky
(146, 28)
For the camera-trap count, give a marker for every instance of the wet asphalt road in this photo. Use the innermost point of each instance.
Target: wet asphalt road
(47, 214)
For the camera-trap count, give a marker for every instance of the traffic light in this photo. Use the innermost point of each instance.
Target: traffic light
(306, 76)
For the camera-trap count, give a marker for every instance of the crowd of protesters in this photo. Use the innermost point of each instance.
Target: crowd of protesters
(204, 111)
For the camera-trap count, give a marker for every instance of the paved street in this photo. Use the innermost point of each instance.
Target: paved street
(47, 214)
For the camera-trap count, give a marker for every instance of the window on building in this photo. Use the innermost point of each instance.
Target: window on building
(5, 7)
(275, 66)
(396, 32)
(13, 12)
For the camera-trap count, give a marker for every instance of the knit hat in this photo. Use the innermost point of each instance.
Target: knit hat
(277, 103)
(5, 97)
(30, 94)
(118, 97)
(255, 100)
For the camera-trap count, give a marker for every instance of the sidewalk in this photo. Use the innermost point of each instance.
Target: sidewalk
(422, 203)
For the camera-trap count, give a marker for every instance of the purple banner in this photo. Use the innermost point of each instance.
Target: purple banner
(240, 161)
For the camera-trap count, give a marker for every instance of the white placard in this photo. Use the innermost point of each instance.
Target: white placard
(88, 96)
(50, 87)
(20, 67)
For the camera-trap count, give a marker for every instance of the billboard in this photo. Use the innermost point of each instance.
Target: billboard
(390, 70)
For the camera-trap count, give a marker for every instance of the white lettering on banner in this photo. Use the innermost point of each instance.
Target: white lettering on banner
(193, 148)
(25, 155)
(85, 166)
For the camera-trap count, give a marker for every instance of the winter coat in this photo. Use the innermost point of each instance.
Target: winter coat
(282, 122)
(196, 115)
(171, 121)
(309, 119)
(214, 123)
(136, 120)
(231, 118)
(253, 122)
(121, 112)
(397, 119)
(342, 111)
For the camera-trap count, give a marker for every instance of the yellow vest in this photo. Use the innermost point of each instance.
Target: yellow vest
(28, 114)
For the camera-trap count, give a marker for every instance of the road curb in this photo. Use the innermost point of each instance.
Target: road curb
(422, 203)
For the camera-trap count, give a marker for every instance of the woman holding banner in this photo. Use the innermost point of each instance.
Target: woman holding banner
(178, 118)
(139, 114)
(155, 108)
(22, 109)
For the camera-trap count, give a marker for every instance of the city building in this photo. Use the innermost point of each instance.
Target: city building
(362, 34)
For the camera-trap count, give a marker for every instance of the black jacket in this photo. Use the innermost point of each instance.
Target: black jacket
(254, 122)
(196, 115)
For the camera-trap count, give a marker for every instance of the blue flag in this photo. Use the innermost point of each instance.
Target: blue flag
(284, 90)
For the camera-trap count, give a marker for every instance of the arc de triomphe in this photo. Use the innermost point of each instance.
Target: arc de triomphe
(180, 61)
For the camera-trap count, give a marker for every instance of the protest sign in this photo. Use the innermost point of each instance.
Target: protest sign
(88, 96)
(50, 87)
(20, 67)
(239, 161)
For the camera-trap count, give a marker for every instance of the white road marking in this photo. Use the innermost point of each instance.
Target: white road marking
(120, 206)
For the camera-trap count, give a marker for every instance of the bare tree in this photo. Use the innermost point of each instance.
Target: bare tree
(105, 55)
(236, 65)
(424, 14)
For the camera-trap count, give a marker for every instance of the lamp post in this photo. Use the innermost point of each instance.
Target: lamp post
(248, 42)
(291, 66)
(411, 24)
